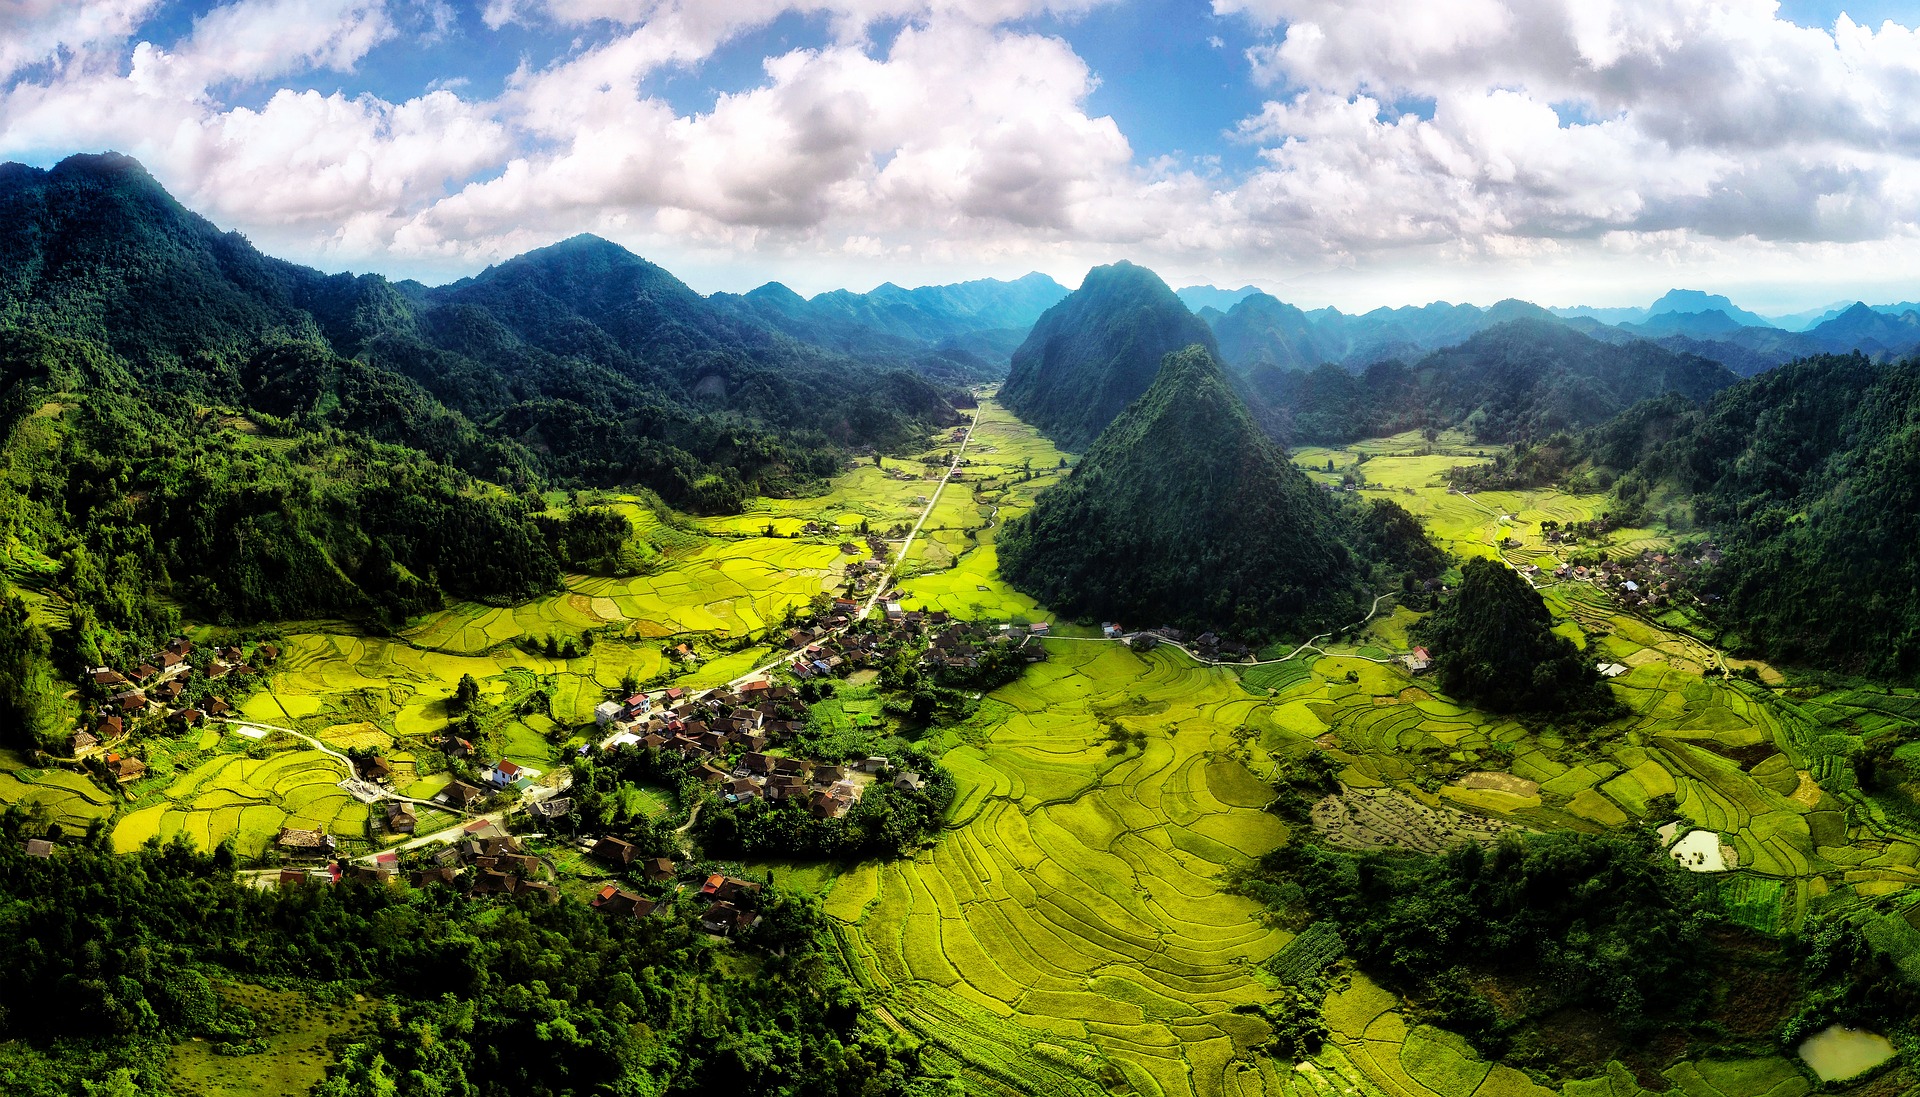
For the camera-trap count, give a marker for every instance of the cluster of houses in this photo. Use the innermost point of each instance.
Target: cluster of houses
(151, 692)
(502, 776)
(485, 859)
(731, 903)
(1651, 579)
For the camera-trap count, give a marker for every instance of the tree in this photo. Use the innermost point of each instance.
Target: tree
(1494, 645)
(466, 694)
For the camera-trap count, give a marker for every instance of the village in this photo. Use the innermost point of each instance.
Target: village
(175, 690)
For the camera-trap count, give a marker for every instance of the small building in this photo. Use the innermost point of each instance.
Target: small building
(39, 847)
(1611, 670)
(1418, 661)
(874, 764)
(658, 869)
(217, 706)
(1040, 628)
(125, 768)
(614, 851)
(303, 844)
(908, 781)
(461, 795)
(555, 807)
(606, 712)
(400, 818)
(86, 743)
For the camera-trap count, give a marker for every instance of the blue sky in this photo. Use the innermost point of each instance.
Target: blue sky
(1399, 151)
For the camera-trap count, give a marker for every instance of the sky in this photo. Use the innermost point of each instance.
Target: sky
(1333, 153)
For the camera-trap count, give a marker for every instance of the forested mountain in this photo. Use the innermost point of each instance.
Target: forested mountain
(1522, 379)
(1809, 478)
(1092, 354)
(1263, 332)
(1183, 512)
(504, 374)
(187, 422)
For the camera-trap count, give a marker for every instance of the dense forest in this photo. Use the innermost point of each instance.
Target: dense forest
(1806, 477)
(1494, 645)
(579, 362)
(1184, 513)
(1520, 380)
(111, 960)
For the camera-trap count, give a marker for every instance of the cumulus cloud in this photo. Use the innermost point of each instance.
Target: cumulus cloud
(1399, 138)
(34, 32)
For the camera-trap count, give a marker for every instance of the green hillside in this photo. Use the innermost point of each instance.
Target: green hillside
(1183, 512)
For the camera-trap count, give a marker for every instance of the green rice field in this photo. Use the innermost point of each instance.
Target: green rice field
(1071, 932)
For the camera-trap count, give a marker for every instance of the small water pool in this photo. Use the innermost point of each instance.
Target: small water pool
(1837, 1053)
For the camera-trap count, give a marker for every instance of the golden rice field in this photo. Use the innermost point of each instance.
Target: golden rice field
(247, 800)
(1070, 933)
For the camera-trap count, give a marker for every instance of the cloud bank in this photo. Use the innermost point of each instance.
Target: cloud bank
(1460, 149)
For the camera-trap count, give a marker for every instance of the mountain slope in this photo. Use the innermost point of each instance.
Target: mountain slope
(1809, 478)
(1264, 331)
(1094, 353)
(1183, 512)
(579, 362)
(1695, 301)
(1520, 380)
(938, 329)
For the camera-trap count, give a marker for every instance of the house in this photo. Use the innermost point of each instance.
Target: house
(491, 881)
(166, 691)
(606, 712)
(267, 654)
(908, 781)
(504, 775)
(785, 788)
(180, 646)
(39, 847)
(143, 672)
(726, 919)
(658, 869)
(461, 795)
(400, 818)
(293, 878)
(369, 874)
(190, 717)
(1418, 661)
(828, 775)
(614, 851)
(728, 888)
(445, 874)
(131, 703)
(873, 765)
(825, 805)
(456, 747)
(1611, 670)
(538, 887)
(303, 843)
(86, 743)
(125, 769)
(1110, 630)
(375, 769)
(556, 807)
(740, 789)
(616, 903)
(1039, 628)
(106, 676)
(169, 660)
(217, 706)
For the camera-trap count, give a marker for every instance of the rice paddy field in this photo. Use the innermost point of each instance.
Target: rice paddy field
(1071, 932)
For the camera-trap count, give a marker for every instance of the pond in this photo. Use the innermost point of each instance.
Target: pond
(1837, 1053)
(1699, 851)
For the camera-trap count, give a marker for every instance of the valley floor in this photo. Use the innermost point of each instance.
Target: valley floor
(1071, 931)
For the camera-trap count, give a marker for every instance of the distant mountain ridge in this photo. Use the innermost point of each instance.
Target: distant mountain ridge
(983, 320)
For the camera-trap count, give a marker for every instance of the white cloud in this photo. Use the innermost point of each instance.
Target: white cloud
(1489, 145)
(37, 31)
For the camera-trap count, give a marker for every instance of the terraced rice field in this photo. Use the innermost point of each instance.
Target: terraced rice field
(247, 800)
(69, 799)
(1070, 931)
